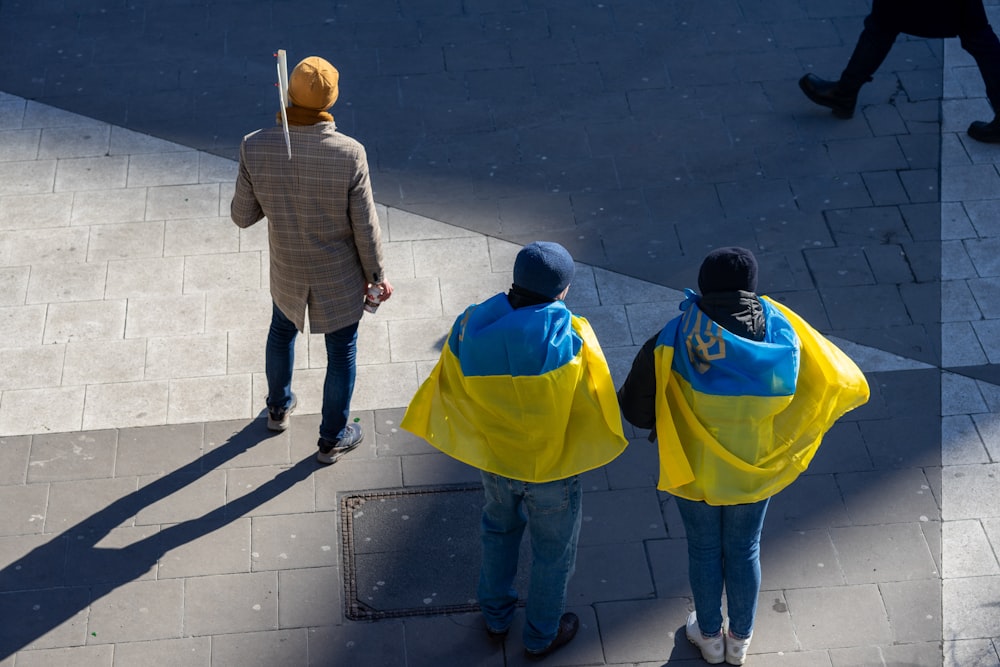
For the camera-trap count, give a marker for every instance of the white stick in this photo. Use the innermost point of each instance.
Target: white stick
(283, 97)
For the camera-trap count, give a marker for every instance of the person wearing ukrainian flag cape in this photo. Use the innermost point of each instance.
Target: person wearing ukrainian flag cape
(522, 391)
(738, 391)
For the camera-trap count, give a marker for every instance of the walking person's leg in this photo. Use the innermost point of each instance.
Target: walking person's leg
(980, 41)
(502, 527)
(869, 53)
(554, 512)
(741, 528)
(337, 436)
(873, 46)
(703, 526)
(279, 359)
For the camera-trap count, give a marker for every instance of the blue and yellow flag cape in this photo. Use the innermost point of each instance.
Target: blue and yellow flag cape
(738, 420)
(522, 393)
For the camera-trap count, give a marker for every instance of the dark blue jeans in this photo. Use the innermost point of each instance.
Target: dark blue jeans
(724, 549)
(341, 356)
(552, 514)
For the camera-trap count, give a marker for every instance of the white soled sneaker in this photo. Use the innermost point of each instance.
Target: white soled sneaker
(713, 649)
(736, 649)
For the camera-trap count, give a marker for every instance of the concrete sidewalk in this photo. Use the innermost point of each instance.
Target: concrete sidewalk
(155, 516)
(153, 520)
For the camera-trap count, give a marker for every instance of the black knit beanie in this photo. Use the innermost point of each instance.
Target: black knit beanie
(728, 269)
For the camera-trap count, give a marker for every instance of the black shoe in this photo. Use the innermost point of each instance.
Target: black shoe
(330, 451)
(497, 635)
(988, 133)
(830, 94)
(568, 625)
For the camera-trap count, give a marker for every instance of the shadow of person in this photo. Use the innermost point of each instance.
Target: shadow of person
(45, 589)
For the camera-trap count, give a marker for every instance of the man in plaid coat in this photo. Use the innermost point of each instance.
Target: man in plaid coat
(325, 245)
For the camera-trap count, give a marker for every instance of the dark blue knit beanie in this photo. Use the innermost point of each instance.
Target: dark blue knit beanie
(728, 269)
(544, 268)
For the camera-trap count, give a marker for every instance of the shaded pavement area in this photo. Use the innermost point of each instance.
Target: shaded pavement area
(152, 519)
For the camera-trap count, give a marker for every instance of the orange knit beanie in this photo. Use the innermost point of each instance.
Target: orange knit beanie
(313, 84)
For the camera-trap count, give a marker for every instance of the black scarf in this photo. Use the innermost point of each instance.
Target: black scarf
(520, 297)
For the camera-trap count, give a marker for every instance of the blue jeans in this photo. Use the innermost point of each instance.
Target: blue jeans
(551, 512)
(724, 548)
(341, 355)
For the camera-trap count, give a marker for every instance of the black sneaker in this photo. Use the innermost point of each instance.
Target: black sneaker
(277, 418)
(568, 625)
(329, 451)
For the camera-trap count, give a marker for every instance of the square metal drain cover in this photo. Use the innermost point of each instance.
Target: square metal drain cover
(411, 552)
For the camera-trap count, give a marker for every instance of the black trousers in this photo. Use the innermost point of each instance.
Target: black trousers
(883, 25)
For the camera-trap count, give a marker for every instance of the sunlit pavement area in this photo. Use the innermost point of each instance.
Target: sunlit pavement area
(152, 519)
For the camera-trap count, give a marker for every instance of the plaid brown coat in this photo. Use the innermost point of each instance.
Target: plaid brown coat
(325, 240)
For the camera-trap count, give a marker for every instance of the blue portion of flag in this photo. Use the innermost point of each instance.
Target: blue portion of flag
(717, 362)
(536, 339)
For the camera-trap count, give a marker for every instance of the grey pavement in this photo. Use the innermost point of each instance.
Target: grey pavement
(153, 520)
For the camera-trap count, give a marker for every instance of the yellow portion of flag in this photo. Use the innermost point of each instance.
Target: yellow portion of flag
(534, 428)
(728, 450)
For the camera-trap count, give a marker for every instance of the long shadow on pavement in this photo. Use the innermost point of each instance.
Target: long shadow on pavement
(53, 599)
